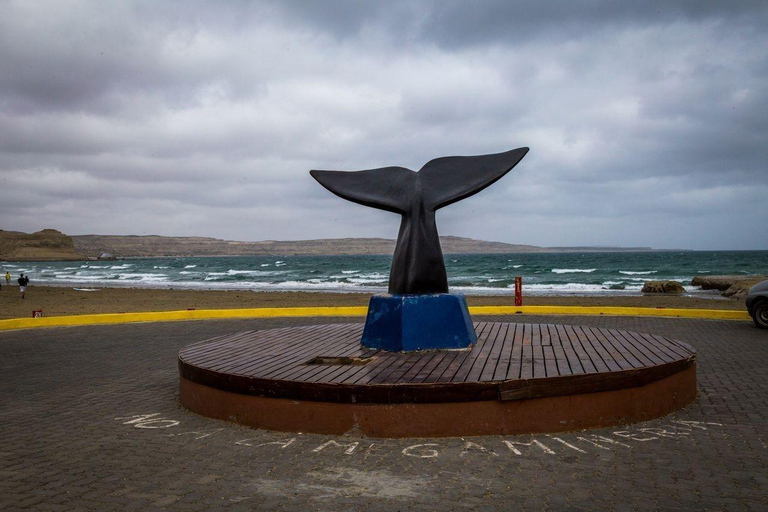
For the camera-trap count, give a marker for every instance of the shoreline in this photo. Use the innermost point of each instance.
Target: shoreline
(469, 291)
(66, 301)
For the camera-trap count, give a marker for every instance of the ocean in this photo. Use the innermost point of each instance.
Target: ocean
(591, 273)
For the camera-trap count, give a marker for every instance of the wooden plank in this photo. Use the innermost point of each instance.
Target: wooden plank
(550, 363)
(609, 351)
(466, 365)
(201, 348)
(590, 382)
(218, 352)
(539, 366)
(526, 367)
(493, 357)
(667, 351)
(350, 372)
(299, 370)
(546, 338)
(677, 343)
(581, 353)
(303, 371)
(563, 368)
(237, 355)
(446, 367)
(270, 345)
(648, 350)
(355, 373)
(388, 362)
(526, 339)
(608, 359)
(485, 346)
(416, 364)
(394, 378)
(336, 372)
(629, 349)
(295, 350)
(675, 347)
(536, 335)
(502, 364)
(382, 376)
(446, 370)
(328, 371)
(280, 368)
(516, 358)
(425, 372)
(570, 353)
(367, 372)
(597, 361)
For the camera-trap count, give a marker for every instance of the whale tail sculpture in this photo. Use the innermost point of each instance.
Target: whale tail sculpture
(417, 265)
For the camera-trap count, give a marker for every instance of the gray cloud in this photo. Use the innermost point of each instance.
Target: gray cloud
(646, 122)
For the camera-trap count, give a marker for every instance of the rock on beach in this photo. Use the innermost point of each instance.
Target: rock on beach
(663, 287)
(736, 287)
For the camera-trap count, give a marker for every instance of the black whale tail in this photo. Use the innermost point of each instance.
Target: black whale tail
(417, 264)
(440, 182)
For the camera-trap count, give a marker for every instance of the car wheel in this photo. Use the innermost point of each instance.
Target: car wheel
(760, 314)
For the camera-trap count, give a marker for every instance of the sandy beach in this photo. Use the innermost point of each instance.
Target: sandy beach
(60, 301)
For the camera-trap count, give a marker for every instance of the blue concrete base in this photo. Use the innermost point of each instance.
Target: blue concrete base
(401, 323)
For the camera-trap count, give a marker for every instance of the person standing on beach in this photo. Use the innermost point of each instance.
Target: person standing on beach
(23, 282)
(7, 277)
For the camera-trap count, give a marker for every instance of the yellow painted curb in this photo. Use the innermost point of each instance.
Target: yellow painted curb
(209, 314)
(713, 314)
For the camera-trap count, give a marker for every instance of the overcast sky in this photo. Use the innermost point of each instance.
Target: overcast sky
(647, 121)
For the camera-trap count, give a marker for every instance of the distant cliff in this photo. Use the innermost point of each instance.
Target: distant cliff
(149, 246)
(155, 246)
(45, 245)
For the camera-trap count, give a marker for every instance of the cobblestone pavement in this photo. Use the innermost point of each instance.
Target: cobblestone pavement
(89, 419)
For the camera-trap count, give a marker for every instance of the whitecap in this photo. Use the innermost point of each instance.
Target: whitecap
(350, 271)
(373, 275)
(150, 278)
(357, 280)
(633, 273)
(571, 288)
(233, 272)
(190, 266)
(573, 270)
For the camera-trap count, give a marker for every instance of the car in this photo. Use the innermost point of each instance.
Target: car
(757, 304)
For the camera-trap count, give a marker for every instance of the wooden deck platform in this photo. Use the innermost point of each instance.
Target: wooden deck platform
(520, 364)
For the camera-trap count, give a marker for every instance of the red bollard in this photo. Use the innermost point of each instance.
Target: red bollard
(518, 291)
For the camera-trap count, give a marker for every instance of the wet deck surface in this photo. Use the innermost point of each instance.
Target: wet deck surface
(280, 362)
